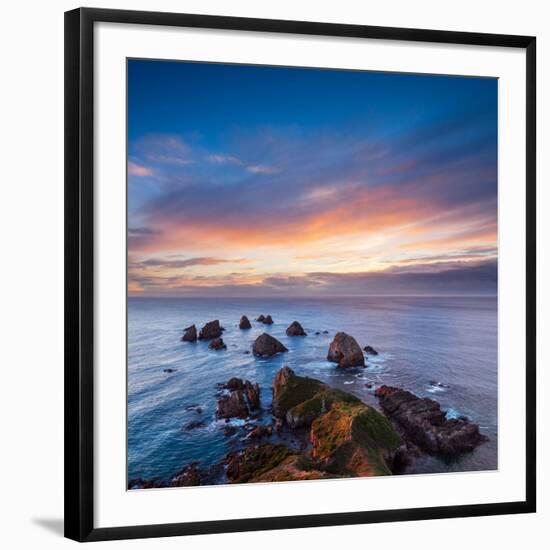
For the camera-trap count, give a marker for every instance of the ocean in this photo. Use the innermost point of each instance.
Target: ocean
(449, 341)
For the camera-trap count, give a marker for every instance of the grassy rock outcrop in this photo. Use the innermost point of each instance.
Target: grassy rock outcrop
(290, 390)
(354, 439)
(348, 437)
(243, 466)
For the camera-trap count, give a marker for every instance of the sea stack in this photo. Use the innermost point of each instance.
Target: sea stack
(295, 329)
(266, 346)
(244, 323)
(190, 334)
(265, 319)
(345, 351)
(211, 330)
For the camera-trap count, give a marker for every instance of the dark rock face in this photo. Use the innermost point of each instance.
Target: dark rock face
(232, 406)
(295, 329)
(211, 330)
(370, 350)
(252, 393)
(244, 398)
(260, 319)
(189, 476)
(423, 421)
(190, 334)
(266, 346)
(233, 384)
(217, 344)
(345, 351)
(244, 323)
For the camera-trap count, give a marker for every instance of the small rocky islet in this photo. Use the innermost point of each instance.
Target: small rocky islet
(316, 431)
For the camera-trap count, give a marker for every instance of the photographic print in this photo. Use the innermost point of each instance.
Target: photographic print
(312, 274)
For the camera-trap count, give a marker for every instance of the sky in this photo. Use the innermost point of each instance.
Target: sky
(277, 181)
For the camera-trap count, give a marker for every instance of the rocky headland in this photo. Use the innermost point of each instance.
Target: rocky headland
(312, 430)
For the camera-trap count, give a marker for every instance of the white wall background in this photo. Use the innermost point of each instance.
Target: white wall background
(31, 273)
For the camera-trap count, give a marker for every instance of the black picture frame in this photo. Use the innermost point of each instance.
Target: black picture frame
(79, 272)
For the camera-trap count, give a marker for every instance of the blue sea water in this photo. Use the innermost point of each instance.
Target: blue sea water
(421, 340)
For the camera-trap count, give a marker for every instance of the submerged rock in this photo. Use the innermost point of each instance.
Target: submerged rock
(190, 334)
(423, 421)
(244, 323)
(266, 346)
(169, 371)
(295, 329)
(217, 344)
(370, 350)
(193, 425)
(436, 384)
(345, 351)
(211, 330)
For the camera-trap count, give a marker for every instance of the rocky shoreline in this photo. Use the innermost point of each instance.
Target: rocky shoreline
(313, 430)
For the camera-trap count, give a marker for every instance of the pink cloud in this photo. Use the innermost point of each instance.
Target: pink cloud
(138, 170)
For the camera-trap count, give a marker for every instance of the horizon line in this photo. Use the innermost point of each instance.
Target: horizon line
(376, 295)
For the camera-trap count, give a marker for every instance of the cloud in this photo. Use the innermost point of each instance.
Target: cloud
(163, 149)
(224, 159)
(259, 169)
(138, 170)
(423, 279)
(185, 263)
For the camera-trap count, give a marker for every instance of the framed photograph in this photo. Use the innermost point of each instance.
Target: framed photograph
(300, 274)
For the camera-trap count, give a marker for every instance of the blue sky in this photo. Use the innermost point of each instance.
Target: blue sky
(270, 180)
